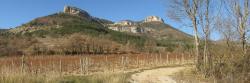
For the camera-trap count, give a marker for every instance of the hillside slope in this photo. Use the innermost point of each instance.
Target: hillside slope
(164, 31)
(74, 31)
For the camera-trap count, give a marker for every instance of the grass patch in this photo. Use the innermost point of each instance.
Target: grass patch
(97, 78)
(191, 76)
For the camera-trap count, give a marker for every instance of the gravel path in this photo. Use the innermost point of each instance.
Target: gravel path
(160, 75)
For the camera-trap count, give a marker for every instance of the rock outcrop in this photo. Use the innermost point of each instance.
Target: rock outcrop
(125, 22)
(79, 12)
(75, 11)
(134, 27)
(125, 26)
(153, 19)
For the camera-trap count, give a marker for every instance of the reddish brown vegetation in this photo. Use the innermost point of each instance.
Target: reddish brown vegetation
(87, 64)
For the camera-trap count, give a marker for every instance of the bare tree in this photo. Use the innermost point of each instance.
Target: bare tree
(209, 12)
(227, 30)
(205, 25)
(240, 12)
(181, 9)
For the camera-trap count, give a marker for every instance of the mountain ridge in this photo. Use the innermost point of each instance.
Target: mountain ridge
(152, 26)
(147, 26)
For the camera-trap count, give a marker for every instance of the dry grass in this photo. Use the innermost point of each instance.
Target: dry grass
(191, 76)
(52, 77)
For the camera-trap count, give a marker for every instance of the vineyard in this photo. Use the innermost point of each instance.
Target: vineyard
(84, 65)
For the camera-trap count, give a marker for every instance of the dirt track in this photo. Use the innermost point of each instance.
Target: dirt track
(160, 75)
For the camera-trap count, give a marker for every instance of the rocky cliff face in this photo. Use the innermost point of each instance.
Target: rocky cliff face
(125, 23)
(135, 27)
(125, 26)
(79, 12)
(75, 11)
(153, 19)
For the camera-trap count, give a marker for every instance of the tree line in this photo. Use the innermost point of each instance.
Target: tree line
(228, 19)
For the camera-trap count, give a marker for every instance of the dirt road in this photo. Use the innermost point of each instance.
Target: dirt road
(160, 75)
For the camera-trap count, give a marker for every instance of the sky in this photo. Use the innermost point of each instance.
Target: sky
(16, 12)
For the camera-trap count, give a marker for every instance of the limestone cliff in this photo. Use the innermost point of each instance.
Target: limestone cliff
(125, 26)
(75, 11)
(153, 19)
(135, 27)
(82, 13)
